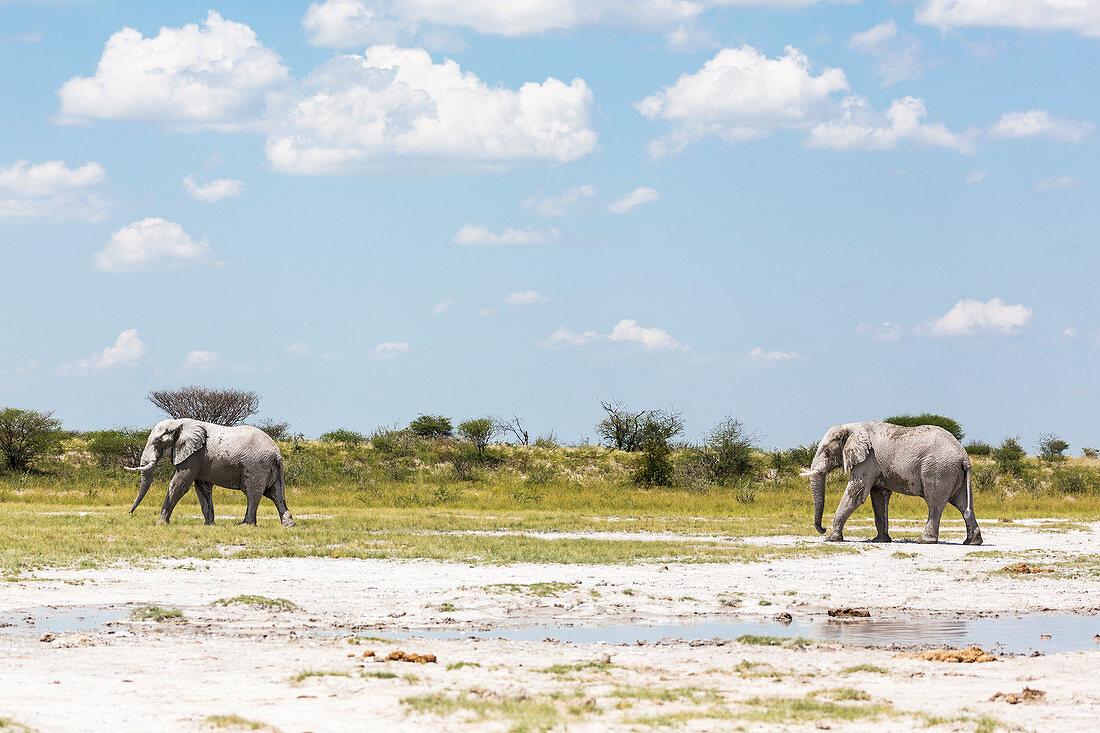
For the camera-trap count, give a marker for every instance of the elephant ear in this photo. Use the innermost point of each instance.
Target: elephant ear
(856, 448)
(191, 438)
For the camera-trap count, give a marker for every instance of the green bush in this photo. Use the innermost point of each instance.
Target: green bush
(395, 443)
(1075, 480)
(656, 468)
(1009, 457)
(343, 436)
(1090, 452)
(978, 448)
(28, 435)
(432, 426)
(117, 448)
(801, 455)
(928, 418)
(275, 430)
(983, 479)
(730, 450)
(1051, 447)
(479, 432)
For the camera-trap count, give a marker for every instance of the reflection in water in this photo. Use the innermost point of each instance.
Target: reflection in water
(58, 620)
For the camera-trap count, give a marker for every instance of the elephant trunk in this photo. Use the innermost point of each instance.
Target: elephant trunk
(148, 463)
(817, 488)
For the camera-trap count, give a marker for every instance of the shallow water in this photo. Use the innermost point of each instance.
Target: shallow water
(1004, 635)
(60, 620)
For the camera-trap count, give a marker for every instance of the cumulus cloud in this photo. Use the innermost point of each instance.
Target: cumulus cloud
(885, 331)
(214, 76)
(358, 113)
(976, 176)
(127, 350)
(896, 52)
(21, 371)
(968, 317)
(442, 307)
(564, 338)
(52, 191)
(1039, 123)
(350, 23)
(300, 348)
(1056, 183)
(773, 356)
(1070, 332)
(389, 350)
(215, 190)
(637, 197)
(479, 235)
(1082, 16)
(525, 297)
(199, 360)
(860, 127)
(650, 339)
(151, 244)
(741, 94)
(558, 204)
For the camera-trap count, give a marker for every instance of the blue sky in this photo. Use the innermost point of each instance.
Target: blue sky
(799, 213)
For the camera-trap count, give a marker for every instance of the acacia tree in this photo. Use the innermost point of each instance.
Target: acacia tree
(622, 427)
(479, 432)
(26, 435)
(516, 426)
(220, 406)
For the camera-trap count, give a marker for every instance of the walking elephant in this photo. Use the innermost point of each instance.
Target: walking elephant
(209, 455)
(880, 458)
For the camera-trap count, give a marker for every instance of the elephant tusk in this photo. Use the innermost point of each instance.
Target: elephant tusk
(145, 467)
(807, 472)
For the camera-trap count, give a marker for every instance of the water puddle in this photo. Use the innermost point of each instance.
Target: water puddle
(1005, 635)
(59, 620)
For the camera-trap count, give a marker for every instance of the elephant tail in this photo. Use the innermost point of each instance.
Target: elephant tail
(969, 493)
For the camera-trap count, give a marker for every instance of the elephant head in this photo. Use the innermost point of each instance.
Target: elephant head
(843, 446)
(181, 437)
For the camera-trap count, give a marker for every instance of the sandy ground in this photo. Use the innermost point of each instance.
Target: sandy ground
(241, 660)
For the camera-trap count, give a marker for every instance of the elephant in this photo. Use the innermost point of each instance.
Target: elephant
(205, 454)
(881, 458)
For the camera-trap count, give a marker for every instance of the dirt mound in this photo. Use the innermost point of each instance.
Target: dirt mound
(970, 655)
(1014, 698)
(1025, 569)
(849, 613)
(400, 656)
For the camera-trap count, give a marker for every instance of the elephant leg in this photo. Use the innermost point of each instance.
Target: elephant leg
(205, 491)
(277, 494)
(931, 533)
(854, 495)
(973, 534)
(880, 502)
(252, 484)
(177, 487)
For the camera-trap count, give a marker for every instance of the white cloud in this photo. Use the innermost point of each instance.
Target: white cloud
(127, 350)
(637, 197)
(300, 348)
(1039, 123)
(1056, 183)
(215, 190)
(151, 244)
(897, 52)
(525, 297)
(479, 235)
(191, 77)
(773, 356)
(976, 176)
(651, 339)
(197, 360)
(741, 94)
(1070, 332)
(862, 128)
(558, 204)
(442, 307)
(22, 371)
(361, 113)
(389, 350)
(28, 37)
(565, 338)
(1082, 16)
(885, 331)
(486, 312)
(350, 23)
(52, 191)
(967, 317)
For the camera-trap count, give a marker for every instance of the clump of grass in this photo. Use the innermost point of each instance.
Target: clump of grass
(156, 613)
(666, 694)
(380, 675)
(307, 673)
(541, 590)
(524, 713)
(446, 606)
(275, 604)
(225, 721)
(357, 640)
(460, 665)
(7, 725)
(578, 667)
(794, 642)
(810, 708)
(864, 668)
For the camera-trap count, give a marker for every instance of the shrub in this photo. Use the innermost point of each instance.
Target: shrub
(479, 432)
(983, 478)
(516, 426)
(1051, 447)
(549, 440)
(219, 406)
(621, 428)
(978, 448)
(802, 455)
(275, 430)
(27, 435)
(658, 429)
(432, 426)
(396, 443)
(777, 461)
(1090, 452)
(343, 436)
(729, 450)
(1075, 481)
(1009, 457)
(117, 448)
(927, 418)
(464, 459)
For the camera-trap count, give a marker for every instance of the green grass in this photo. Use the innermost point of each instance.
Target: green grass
(233, 721)
(7, 725)
(795, 642)
(845, 705)
(156, 613)
(865, 668)
(274, 604)
(460, 665)
(306, 674)
(380, 675)
(541, 590)
(525, 714)
(578, 667)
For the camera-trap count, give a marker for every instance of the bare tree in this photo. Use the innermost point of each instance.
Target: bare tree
(622, 427)
(515, 426)
(220, 406)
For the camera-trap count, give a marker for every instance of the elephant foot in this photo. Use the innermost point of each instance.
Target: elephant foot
(834, 537)
(162, 520)
(976, 539)
(923, 540)
(288, 522)
(882, 538)
(209, 524)
(246, 523)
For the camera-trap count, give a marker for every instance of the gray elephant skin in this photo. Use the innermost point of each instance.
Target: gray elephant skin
(880, 458)
(209, 455)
